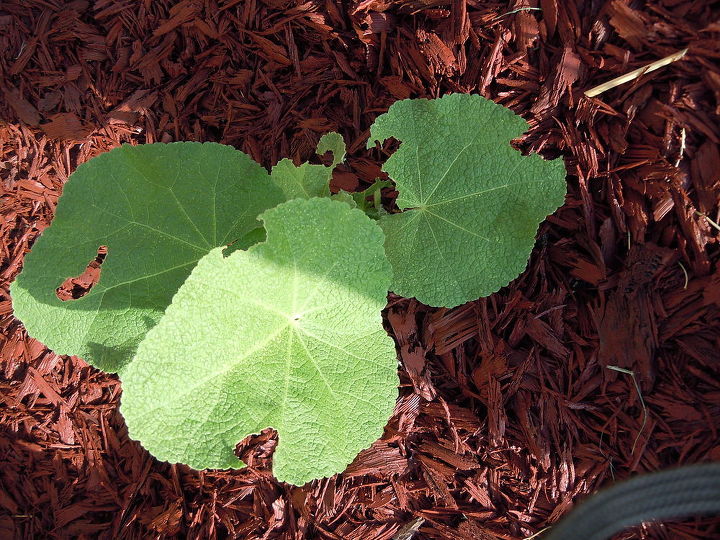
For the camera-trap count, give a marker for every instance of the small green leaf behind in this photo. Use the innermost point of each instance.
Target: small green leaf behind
(309, 180)
(472, 203)
(158, 208)
(361, 199)
(287, 334)
(332, 142)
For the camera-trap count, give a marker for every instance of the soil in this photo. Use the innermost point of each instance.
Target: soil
(509, 410)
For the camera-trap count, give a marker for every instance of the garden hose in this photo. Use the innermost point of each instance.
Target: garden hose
(677, 493)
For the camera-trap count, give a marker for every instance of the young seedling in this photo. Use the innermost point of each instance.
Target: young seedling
(282, 329)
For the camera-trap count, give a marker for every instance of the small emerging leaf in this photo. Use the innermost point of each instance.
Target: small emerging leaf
(472, 203)
(309, 180)
(345, 197)
(293, 340)
(158, 208)
(332, 142)
(361, 199)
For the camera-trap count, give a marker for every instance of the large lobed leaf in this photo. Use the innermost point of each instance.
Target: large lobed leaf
(287, 334)
(472, 203)
(158, 208)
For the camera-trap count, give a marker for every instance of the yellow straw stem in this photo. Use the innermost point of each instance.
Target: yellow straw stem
(634, 74)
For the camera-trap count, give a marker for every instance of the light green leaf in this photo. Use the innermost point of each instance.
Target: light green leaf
(472, 203)
(345, 197)
(309, 180)
(287, 334)
(361, 199)
(332, 142)
(158, 208)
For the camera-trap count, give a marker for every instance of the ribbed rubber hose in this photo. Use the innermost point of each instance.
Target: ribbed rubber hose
(677, 493)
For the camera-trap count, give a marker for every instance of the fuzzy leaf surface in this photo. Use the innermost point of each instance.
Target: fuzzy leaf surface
(309, 180)
(472, 202)
(158, 208)
(287, 334)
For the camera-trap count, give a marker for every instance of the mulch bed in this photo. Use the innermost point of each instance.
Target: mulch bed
(508, 411)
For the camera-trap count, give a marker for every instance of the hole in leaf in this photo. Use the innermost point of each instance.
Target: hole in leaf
(257, 450)
(326, 158)
(77, 287)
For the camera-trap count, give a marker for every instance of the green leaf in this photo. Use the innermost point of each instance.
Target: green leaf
(287, 334)
(309, 180)
(361, 199)
(158, 208)
(345, 197)
(472, 203)
(332, 142)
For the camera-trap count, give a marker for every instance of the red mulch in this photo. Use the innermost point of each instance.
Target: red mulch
(507, 411)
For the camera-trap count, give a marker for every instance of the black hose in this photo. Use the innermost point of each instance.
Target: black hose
(677, 493)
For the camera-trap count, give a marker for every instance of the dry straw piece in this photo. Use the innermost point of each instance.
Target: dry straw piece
(636, 73)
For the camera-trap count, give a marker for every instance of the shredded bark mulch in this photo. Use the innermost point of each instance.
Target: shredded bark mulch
(511, 407)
